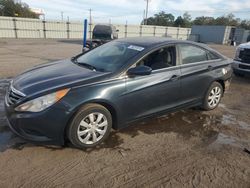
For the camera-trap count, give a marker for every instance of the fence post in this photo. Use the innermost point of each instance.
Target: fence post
(188, 33)
(67, 29)
(154, 30)
(126, 30)
(140, 30)
(166, 32)
(44, 29)
(15, 28)
(178, 29)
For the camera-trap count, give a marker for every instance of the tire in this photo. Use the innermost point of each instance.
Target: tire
(213, 96)
(90, 126)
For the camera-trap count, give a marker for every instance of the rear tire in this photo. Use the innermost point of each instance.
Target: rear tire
(90, 126)
(213, 96)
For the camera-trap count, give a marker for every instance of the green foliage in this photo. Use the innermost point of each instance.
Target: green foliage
(161, 18)
(165, 19)
(15, 9)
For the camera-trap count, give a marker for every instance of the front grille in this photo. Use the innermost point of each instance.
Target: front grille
(13, 96)
(245, 55)
(244, 67)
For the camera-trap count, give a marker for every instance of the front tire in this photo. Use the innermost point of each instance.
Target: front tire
(213, 96)
(90, 126)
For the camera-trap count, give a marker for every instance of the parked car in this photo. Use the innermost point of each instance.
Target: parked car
(241, 64)
(102, 33)
(112, 86)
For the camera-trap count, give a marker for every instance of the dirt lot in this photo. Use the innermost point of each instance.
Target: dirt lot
(190, 148)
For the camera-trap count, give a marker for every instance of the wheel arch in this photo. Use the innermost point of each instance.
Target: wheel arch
(104, 103)
(222, 83)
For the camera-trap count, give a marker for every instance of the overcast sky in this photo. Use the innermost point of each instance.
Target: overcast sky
(132, 10)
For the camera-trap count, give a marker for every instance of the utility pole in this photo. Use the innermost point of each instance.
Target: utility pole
(143, 18)
(146, 21)
(62, 16)
(90, 24)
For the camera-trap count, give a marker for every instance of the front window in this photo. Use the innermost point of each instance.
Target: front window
(160, 59)
(109, 57)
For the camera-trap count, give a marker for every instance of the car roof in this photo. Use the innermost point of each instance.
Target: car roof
(150, 41)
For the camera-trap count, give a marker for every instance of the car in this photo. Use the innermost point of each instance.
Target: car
(241, 63)
(102, 33)
(126, 80)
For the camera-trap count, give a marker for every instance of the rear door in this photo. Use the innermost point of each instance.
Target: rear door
(158, 91)
(197, 66)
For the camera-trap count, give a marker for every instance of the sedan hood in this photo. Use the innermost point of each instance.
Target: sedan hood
(54, 75)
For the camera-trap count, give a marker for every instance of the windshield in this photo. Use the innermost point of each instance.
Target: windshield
(110, 56)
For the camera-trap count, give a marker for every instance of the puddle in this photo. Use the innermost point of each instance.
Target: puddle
(211, 129)
(223, 139)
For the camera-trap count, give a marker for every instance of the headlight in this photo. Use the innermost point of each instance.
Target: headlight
(41, 103)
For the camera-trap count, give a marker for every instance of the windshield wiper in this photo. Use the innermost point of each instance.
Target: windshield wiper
(91, 67)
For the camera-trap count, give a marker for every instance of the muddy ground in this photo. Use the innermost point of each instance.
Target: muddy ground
(190, 148)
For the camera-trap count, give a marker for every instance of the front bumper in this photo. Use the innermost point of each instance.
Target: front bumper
(45, 127)
(240, 67)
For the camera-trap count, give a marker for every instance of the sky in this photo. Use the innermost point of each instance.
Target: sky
(120, 11)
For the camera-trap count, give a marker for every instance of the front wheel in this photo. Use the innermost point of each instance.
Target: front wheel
(213, 96)
(90, 126)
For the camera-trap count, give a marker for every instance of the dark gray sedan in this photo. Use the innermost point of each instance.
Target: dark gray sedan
(111, 86)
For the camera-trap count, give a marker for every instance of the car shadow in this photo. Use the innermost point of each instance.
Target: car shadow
(72, 41)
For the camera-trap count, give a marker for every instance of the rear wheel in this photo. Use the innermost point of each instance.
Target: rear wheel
(213, 96)
(90, 126)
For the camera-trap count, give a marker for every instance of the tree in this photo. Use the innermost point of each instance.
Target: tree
(204, 20)
(12, 8)
(161, 18)
(179, 22)
(245, 24)
(164, 19)
(185, 21)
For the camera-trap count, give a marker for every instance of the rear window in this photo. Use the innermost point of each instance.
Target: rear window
(212, 56)
(192, 54)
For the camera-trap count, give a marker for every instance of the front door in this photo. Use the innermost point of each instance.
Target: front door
(159, 91)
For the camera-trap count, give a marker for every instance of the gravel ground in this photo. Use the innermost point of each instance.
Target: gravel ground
(190, 148)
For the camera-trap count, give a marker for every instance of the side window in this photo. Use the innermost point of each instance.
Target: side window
(192, 54)
(159, 59)
(212, 56)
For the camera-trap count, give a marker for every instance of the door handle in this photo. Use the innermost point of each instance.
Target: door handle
(210, 67)
(174, 77)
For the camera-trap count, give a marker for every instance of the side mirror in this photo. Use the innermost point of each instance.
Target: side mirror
(139, 71)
